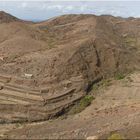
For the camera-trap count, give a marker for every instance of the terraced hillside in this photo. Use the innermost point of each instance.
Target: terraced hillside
(115, 110)
(45, 67)
(22, 104)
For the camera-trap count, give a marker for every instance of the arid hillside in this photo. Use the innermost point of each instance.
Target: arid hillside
(114, 112)
(45, 67)
(6, 18)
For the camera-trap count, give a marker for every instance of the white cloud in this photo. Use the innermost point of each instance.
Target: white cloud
(68, 8)
(23, 5)
(58, 7)
(83, 8)
(43, 6)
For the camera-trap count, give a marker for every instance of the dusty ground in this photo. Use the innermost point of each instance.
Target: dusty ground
(45, 67)
(115, 109)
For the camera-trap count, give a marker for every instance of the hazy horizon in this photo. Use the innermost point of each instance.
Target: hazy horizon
(43, 10)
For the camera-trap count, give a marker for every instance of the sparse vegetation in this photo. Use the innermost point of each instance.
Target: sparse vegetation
(95, 87)
(106, 82)
(82, 104)
(45, 68)
(130, 41)
(103, 83)
(115, 136)
(119, 76)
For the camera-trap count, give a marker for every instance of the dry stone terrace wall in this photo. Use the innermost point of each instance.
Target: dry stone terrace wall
(21, 104)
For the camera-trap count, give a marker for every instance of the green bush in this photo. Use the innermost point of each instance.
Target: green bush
(95, 87)
(82, 104)
(115, 137)
(86, 101)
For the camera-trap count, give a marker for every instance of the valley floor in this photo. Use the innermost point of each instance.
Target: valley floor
(116, 109)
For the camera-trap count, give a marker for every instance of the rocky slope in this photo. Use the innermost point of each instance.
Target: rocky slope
(115, 110)
(6, 18)
(47, 66)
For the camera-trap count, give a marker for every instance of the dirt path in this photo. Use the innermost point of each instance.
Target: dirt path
(115, 109)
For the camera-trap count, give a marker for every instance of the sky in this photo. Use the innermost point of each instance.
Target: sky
(43, 10)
